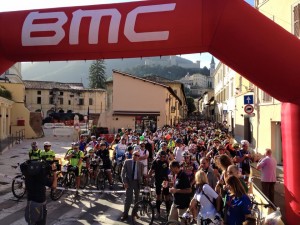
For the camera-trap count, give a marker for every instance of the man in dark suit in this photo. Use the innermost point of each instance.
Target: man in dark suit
(132, 174)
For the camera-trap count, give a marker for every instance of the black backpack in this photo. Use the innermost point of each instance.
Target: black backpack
(34, 168)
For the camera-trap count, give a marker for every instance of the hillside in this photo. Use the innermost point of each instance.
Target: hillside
(77, 71)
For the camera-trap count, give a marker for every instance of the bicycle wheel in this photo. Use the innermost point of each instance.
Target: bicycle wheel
(101, 180)
(18, 186)
(55, 194)
(172, 222)
(84, 178)
(142, 213)
(71, 180)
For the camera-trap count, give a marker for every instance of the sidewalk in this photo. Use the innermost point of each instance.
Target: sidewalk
(279, 188)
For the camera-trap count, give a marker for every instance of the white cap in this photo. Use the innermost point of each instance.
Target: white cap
(245, 142)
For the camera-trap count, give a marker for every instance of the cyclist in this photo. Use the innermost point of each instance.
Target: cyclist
(103, 153)
(48, 154)
(75, 157)
(189, 167)
(160, 167)
(34, 152)
(92, 161)
(120, 150)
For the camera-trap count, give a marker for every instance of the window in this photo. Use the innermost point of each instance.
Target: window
(81, 101)
(39, 100)
(296, 17)
(266, 97)
(39, 92)
(90, 101)
(69, 102)
(61, 101)
(61, 93)
(51, 101)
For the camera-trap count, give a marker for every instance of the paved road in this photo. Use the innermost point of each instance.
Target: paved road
(88, 208)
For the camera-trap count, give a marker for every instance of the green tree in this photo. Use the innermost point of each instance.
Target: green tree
(97, 76)
(190, 104)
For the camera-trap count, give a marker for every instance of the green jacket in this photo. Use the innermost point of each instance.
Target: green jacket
(48, 156)
(34, 154)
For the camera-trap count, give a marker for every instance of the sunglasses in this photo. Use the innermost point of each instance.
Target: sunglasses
(136, 155)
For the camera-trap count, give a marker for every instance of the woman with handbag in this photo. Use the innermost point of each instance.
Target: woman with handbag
(204, 198)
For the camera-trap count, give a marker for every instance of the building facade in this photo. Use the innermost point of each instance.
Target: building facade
(137, 103)
(49, 97)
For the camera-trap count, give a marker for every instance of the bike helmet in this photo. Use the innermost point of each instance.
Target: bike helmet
(186, 154)
(47, 143)
(163, 144)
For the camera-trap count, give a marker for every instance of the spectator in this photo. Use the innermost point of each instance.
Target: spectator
(36, 211)
(267, 165)
(243, 157)
(132, 173)
(205, 166)
(178, 150)
(207, 213)
(237, 202)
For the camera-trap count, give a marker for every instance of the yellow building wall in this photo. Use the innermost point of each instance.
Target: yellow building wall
(130, 94)
(18, 110)
(278, 11)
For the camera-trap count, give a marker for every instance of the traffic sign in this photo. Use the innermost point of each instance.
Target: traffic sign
(248, 99)
(248, 109)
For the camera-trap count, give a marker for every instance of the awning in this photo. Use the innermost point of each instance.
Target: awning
(136, 113)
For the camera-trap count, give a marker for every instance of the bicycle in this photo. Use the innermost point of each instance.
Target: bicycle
(143, 211)
(18, 186)
(101, 177)
(117, 168)
(66, 179)
(256, 213)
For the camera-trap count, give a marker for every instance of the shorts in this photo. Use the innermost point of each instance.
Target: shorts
(75, 169)
(35, 213)
(160, 190)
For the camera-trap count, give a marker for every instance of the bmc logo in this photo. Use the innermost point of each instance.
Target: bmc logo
(32, 25)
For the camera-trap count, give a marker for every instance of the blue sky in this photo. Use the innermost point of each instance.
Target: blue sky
(14, 5)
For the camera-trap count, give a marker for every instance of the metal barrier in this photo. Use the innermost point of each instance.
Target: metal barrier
(15, 138)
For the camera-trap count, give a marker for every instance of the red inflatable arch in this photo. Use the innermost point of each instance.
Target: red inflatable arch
(231, 30)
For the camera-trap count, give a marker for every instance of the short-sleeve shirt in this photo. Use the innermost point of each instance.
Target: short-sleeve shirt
(207, 209)
(76, 157)
(161, 170)
(268, 169)
(181, 200)
(237, 209)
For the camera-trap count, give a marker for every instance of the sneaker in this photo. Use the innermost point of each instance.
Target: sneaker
(124, 217)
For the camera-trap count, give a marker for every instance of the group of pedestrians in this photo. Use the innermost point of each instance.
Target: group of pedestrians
(196, 166)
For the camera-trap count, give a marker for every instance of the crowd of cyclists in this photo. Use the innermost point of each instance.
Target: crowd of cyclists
(216, 166)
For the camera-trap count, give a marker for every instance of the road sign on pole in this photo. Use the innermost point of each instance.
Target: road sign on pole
(248, 99)
(248, 109)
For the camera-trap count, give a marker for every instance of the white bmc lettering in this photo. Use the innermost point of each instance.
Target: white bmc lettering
(30, 26)
(146, 36)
